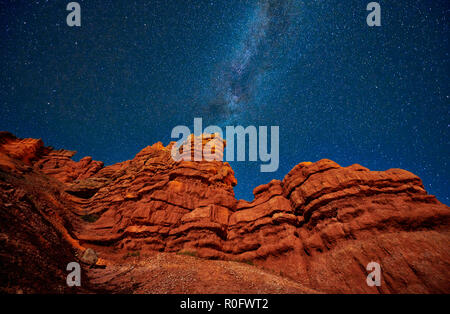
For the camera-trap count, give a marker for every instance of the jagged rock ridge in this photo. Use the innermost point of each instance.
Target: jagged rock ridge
(320, 226)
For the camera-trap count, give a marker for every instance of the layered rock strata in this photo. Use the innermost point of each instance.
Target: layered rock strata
(320, 226)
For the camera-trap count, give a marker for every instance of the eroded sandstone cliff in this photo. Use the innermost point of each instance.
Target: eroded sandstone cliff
(319, 227)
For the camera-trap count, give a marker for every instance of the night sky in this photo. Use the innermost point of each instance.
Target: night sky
(338, 89)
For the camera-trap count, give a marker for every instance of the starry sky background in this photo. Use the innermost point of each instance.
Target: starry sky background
(337, 88)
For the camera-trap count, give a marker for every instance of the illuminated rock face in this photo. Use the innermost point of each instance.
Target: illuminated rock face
(321, 225)
(206, 147)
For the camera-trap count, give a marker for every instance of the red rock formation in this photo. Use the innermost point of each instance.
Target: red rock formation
(36, 223)
(320, 226)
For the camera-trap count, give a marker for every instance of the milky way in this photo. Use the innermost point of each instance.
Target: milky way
(257, 58)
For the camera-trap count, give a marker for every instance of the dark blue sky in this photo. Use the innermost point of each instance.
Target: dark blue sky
(135, 69)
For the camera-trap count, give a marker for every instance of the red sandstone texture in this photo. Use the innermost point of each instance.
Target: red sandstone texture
(314, 231)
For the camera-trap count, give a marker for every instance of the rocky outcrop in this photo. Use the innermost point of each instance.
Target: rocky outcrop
(36, 223)
(320, 226)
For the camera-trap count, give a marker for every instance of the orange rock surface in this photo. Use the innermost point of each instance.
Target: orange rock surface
(319, 227)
